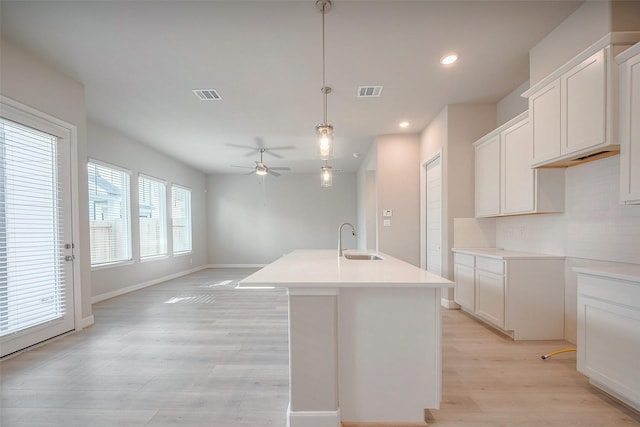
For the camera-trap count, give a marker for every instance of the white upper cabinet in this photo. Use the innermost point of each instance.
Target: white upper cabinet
(629, 122)
(573, 110)
(488, 177)
(583, 105)
(505, 182)
(544, 108)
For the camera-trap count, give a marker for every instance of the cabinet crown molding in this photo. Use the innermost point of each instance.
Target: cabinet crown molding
(622, 38)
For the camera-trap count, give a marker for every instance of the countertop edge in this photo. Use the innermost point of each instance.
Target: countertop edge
(499, 253)
(630, 273)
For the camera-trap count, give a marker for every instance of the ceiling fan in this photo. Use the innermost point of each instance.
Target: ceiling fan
(260, 168)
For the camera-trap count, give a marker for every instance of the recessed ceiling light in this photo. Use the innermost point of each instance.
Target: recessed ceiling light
(449, 59)
(404, 124)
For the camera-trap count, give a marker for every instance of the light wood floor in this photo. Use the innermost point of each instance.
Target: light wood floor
(197, 352)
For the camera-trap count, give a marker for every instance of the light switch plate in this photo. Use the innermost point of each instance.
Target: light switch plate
(387, 223)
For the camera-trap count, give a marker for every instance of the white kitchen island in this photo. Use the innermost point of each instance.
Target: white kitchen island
(364, 337)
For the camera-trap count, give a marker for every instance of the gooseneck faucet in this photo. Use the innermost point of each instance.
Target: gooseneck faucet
(353, 231)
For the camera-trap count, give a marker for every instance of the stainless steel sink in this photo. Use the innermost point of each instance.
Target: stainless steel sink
(367, 257)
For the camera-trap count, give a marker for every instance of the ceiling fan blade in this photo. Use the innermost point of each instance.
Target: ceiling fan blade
(276, 155)
(282, 147)
(243, 167)
(248, 147)
(270, 172)
(281, 169)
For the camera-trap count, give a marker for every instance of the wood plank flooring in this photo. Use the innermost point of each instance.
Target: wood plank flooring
(195, 351)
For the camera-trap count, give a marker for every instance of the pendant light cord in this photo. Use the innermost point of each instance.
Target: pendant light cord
(324, 86)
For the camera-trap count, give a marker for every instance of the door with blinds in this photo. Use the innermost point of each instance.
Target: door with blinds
(36, 251)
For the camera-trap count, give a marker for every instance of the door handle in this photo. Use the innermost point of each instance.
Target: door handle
(69, 258)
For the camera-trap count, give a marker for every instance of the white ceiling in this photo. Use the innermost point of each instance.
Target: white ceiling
(140, 60)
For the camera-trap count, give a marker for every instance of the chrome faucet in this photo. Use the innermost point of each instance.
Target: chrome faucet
(353, 231)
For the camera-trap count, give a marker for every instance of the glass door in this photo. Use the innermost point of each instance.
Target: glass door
(36, 253)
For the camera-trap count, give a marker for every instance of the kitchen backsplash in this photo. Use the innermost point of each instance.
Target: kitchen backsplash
(594, 225)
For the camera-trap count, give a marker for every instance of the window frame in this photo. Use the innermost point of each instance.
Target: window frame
(163, 215)
(188, 220)
(130, 259)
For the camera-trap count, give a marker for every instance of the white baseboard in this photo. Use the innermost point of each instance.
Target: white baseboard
(86, 322)
(313, 418)
(118, 292)
(236, 265)
(449, 304)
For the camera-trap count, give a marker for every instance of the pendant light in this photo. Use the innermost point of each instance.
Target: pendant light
(324, 130)
(326, 177)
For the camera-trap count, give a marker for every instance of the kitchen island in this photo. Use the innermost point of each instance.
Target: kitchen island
(364, 337)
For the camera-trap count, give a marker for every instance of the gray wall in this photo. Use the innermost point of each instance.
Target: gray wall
(255, 221)
(107, 145)
(398, 181)
(589, 23)
(30, 81)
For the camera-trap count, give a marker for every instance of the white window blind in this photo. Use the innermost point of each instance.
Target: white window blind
(31, 247)
(109, 214)
(181, 218)
(153, 217)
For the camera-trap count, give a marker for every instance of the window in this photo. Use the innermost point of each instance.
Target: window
(153, 217)
(109, 214)
(181, 218)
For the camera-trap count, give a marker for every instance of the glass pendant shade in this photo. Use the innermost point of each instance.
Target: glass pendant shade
(325, 141)
(326, 177)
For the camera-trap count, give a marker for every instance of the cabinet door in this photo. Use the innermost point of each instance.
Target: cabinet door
(630, 130)
(544, 110)
(464, 291)
(490, 297)
(583, 105)
(518, 179)
(488, 177)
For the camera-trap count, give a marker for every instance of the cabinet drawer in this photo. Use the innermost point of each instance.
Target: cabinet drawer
(490, 264)
(464, 259)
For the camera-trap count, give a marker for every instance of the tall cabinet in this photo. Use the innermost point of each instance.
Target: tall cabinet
(629, 122)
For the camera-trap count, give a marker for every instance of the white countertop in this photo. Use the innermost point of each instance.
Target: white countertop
(629, 272)
(310, 268)
(502, 254)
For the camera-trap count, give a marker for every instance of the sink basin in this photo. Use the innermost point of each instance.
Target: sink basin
(367, 257)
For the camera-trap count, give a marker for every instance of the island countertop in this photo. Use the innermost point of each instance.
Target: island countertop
(310, 268)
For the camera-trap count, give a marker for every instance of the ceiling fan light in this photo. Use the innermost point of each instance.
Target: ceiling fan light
(261, 171)
(325, 141)
(326, 177)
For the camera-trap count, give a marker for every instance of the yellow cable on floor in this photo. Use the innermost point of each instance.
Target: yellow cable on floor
(553, 353)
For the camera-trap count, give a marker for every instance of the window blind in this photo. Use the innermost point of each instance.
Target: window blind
(31, 246)
(181, 218)
(152, 217)
(109, 214)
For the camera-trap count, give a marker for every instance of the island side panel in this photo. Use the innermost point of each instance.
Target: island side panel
(313, 360)
(389, 353)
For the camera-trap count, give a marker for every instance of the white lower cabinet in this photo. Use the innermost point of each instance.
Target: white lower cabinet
(465, 293)
(521, 294)
(608, 331)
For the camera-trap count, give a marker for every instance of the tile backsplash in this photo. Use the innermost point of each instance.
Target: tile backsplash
(594, 225)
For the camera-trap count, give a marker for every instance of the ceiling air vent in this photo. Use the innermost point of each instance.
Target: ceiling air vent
(369, 91)
(207, 94)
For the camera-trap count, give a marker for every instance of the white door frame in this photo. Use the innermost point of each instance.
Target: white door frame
(75, 209)
(423, 208)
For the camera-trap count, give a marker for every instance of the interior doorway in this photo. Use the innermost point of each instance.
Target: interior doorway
(432, 215)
